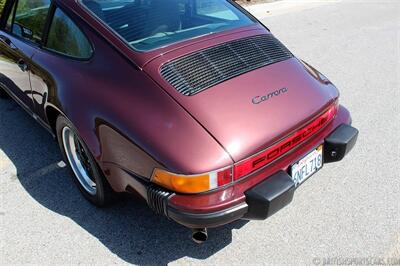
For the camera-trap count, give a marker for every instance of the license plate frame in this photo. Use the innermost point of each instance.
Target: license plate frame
(307, 166)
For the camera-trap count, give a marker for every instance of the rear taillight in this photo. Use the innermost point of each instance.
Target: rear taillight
(219, 178)
(282, 147)
(192, 183)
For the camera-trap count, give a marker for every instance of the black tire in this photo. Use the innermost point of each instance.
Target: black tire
(3, 93)
(104, 195)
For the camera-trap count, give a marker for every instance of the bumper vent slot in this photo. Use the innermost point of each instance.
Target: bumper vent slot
(157, 199)
(203, 69)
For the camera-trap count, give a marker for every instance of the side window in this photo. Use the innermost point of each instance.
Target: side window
(66, 38)
(215, 9)
(30, 19)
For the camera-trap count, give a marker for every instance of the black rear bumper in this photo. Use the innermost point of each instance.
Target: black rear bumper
(208, 220)
(262, 201)
(339, 143)
(267, 197)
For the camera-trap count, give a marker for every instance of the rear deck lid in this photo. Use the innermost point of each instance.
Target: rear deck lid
(247, 92)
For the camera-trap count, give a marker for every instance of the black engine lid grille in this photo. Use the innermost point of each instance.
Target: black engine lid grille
(203, 69)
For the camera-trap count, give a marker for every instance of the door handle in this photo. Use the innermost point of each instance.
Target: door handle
(22, 65)
(7, 42)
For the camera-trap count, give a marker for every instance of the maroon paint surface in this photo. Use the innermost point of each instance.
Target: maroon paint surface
(123, 90)
(234, 195)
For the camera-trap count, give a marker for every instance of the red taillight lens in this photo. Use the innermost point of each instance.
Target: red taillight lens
(277, 150)
(212, 180)
(224, 177)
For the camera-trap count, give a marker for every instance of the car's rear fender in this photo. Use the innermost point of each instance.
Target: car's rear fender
(123, 115)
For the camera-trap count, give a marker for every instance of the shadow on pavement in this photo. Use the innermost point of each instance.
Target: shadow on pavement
(128, 229)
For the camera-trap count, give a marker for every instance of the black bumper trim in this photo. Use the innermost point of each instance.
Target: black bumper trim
(157, 199)
(262, 200)
(269, 196)
(208, 220)
(339, 143)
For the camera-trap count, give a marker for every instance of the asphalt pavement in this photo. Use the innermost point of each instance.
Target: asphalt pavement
(348, 211)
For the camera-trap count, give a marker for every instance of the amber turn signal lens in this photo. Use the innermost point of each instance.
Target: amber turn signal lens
(192, 183)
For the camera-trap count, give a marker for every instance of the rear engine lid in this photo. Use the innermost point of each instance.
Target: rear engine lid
(247, 93)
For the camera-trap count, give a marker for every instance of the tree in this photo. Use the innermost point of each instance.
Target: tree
(2, 3)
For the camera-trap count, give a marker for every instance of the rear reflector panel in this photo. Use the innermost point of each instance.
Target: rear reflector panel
(277, 150)
(216, 179)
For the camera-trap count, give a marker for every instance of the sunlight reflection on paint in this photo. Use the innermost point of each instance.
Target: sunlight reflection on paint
(234, 147)
(61, 164)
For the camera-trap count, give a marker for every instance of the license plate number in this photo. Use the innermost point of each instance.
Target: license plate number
(307, 166)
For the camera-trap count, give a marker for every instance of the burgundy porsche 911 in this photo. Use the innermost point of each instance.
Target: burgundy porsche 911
(193, 104)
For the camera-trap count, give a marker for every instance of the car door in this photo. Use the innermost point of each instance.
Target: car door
(19, 39)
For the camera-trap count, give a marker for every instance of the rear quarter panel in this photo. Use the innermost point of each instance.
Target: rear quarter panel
(122, 115)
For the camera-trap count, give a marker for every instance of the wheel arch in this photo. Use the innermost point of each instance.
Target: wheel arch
(51, 115)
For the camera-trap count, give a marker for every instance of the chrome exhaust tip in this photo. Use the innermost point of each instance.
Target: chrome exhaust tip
(200, 236)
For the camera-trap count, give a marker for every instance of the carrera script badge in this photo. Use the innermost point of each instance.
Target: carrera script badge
(260, 99)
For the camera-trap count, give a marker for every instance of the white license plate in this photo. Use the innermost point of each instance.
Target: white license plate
(306, 167)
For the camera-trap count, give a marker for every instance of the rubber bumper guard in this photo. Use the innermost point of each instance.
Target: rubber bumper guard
(269, 196)
(272, 194)
(339, 143)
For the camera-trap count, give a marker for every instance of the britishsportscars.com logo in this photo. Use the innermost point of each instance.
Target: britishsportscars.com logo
(356, 261)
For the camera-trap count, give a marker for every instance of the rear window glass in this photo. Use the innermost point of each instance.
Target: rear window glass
(150, 24)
